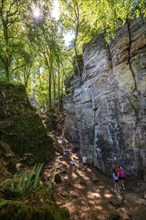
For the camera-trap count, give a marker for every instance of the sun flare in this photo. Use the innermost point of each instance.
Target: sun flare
(36, 12)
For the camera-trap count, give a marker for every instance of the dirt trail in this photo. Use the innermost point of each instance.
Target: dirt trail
(89, 195)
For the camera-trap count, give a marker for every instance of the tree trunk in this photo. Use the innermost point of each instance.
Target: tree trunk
(59, 101)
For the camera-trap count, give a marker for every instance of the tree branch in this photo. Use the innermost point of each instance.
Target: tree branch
(18, 67)
(14, 1)
(2, 59)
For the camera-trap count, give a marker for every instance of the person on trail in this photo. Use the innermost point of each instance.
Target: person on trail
(73, 162)
(121, 177)
(64, 151)
(84, 161)
(116, 179)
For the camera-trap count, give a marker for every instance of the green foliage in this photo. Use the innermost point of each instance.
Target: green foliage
(37, 176)
(47, 210)
(38, 204)
(27, 181)
(32, 49)
(96, 16)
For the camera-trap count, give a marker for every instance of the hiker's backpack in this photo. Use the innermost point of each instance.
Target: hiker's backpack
(122, 173)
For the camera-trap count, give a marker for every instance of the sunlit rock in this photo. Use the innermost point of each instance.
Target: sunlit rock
(105, 105)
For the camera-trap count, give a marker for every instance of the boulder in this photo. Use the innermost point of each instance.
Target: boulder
(20, 126)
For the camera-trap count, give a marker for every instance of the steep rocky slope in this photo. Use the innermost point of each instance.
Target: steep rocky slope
(90, 195)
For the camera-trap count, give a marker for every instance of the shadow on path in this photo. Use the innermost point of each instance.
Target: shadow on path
(89, 195)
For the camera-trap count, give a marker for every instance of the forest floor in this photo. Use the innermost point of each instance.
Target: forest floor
(89, 195)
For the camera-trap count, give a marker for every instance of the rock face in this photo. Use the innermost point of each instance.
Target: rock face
(106, 105)
(20, 127)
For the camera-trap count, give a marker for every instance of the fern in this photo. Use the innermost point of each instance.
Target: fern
(30, 177)
(37, 176)
(26, 180)
(21, 184)
(12, 186)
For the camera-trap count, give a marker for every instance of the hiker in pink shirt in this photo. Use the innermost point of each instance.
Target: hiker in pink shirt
(121, 176)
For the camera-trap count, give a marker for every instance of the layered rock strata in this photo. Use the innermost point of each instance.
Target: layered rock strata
(106, 105)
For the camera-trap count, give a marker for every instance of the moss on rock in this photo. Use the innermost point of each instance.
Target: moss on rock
(21, 210)
(20, 127)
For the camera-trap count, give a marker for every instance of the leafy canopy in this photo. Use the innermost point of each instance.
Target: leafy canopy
(32, 46)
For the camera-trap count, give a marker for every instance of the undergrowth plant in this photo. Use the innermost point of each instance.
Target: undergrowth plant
(27, 181)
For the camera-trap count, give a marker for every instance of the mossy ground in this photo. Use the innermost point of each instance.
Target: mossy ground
(39, 205)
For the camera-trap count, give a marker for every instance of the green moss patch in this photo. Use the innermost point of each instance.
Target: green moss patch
(20, 126)
(21, 210)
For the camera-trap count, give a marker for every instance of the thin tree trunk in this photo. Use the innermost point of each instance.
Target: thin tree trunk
(54, 89)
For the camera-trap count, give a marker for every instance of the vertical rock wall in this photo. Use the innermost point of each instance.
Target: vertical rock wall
(106, 105)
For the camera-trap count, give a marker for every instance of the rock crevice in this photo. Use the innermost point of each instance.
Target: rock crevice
(106, 104)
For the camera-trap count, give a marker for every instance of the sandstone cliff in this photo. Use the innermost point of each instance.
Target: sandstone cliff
(106, 105)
